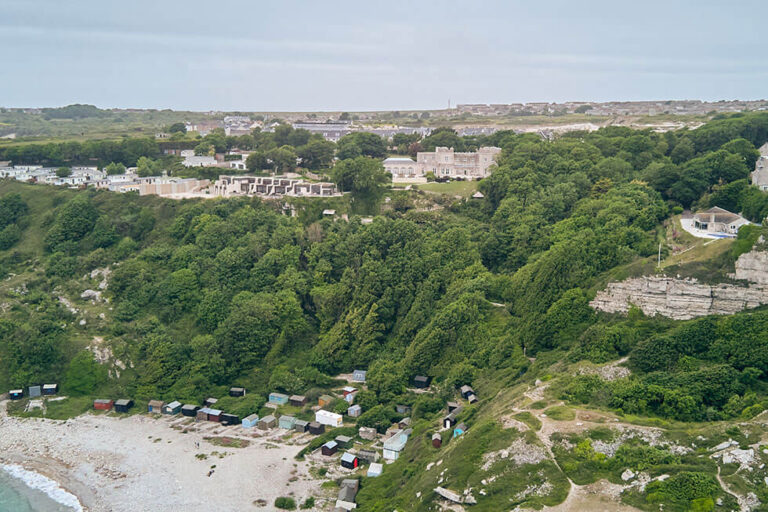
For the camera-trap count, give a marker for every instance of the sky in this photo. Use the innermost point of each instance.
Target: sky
(264, 55)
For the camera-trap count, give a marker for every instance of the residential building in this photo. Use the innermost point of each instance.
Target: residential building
(447, 163)
(404, 170)
(718, 220)
(760, 174)
(227, 186)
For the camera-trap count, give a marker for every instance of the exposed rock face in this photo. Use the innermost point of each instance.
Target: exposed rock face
(678, 299)
(753, 267)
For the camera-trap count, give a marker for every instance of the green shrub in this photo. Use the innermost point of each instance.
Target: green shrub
(285, 503)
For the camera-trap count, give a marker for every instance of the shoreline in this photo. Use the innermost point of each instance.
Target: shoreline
(134, 463)
(36, 479)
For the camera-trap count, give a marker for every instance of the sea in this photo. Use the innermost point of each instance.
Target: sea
(22, 490)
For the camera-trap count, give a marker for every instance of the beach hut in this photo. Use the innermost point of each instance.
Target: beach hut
(190, 410)
(267, 422)
(437, 440)
(403, 409)
(450, 420)
(278, 398)
(155, 406)
(214, 415)
(349, 461)
(343, 441)
(395, 444)
(330, 448)
(404, 423)
(375, 470)
(346, 496)
(358, 376)
(210, 402)
(16, 394)
(172, 408)
(354, 411)
(297, 400)
(229, 419)
(236, 392)
(329, 418)
(287, 422)
(301, 426)
(103, 404)
(466, 391)
(50, 389)
(348, 390)
(452, 406)
(421, 381)
(368, 455)
(123, 405)
(459, 429)
(202, 414)
(316, 428)
(251, 421)
(35, 391)
(325, 400)
(472, 398)
(368, 433)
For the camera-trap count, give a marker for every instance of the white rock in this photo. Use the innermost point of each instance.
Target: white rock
(722, 446)
(82, 322)
(627, 475)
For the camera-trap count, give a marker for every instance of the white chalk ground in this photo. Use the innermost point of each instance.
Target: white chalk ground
(688, 226)
(140, 463)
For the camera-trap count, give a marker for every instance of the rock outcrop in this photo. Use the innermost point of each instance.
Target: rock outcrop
(752, 266)
(679, 299)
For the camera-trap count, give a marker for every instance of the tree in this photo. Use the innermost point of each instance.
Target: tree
(364, 177)
(147, 167)
(114, 168)
(316, 154)
(283, 159)
(84, 375)
(63, 172)
(177, 128)
(361, 144)
(204, 149)
(256, 161)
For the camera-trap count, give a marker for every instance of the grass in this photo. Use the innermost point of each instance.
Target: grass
(58, 410)
(228, 442)
(692, 249)
(453, 188)
(529, 419)
(560, 413)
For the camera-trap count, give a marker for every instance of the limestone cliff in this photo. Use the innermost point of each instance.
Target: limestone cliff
(683, 299)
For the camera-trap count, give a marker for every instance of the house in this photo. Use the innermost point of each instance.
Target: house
(404, 423)
(403, 409)
(330, 448)
(297, 400)
(301, 426)
(236, 391)
(325, 400)
(103, 404)
(316, 428)
(358, 375)
(343, 441)
(437, 440)
(466, 391)
(349, 461)
(172, 408)
(348, 390)
(459, 429)
(50, 389)
(278, 398)
(190, 410)
(760, 175)
(202, 414)
(229, 419)
(214, 415)
(421, 381)
(375, 470)
(251, 421)
(718, 220)
(155, 406)
(287, 422)
(472, 398)
(267, 422)
(368, 455)
(210, 402)
(35, 391)
(403, 170)
(395, 444)
(123, 405)
(354, 411)
(447, 163)
(367, 433)
(16, 394)
(329, 418)
(452, 406)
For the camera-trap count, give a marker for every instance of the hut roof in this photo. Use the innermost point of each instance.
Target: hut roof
(297, 398)
(123, 401)
(252, 417)
(156, 403)
(268, 418)
(174, 404)
(214, 412)
(99, 400)
(331, 445)
(348, 457)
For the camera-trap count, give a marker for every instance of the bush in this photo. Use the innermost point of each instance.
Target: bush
(308, 503)
(285, 503)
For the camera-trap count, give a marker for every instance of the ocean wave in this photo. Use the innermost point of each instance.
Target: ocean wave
(43, 484)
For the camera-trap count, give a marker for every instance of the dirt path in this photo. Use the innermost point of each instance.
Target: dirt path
(744, 504)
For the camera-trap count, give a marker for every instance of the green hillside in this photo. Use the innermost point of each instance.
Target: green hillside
(192, 297)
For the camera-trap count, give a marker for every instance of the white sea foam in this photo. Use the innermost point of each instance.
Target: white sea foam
(43, 484)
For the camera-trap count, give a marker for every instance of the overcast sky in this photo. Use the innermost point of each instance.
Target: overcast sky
(377, 55)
